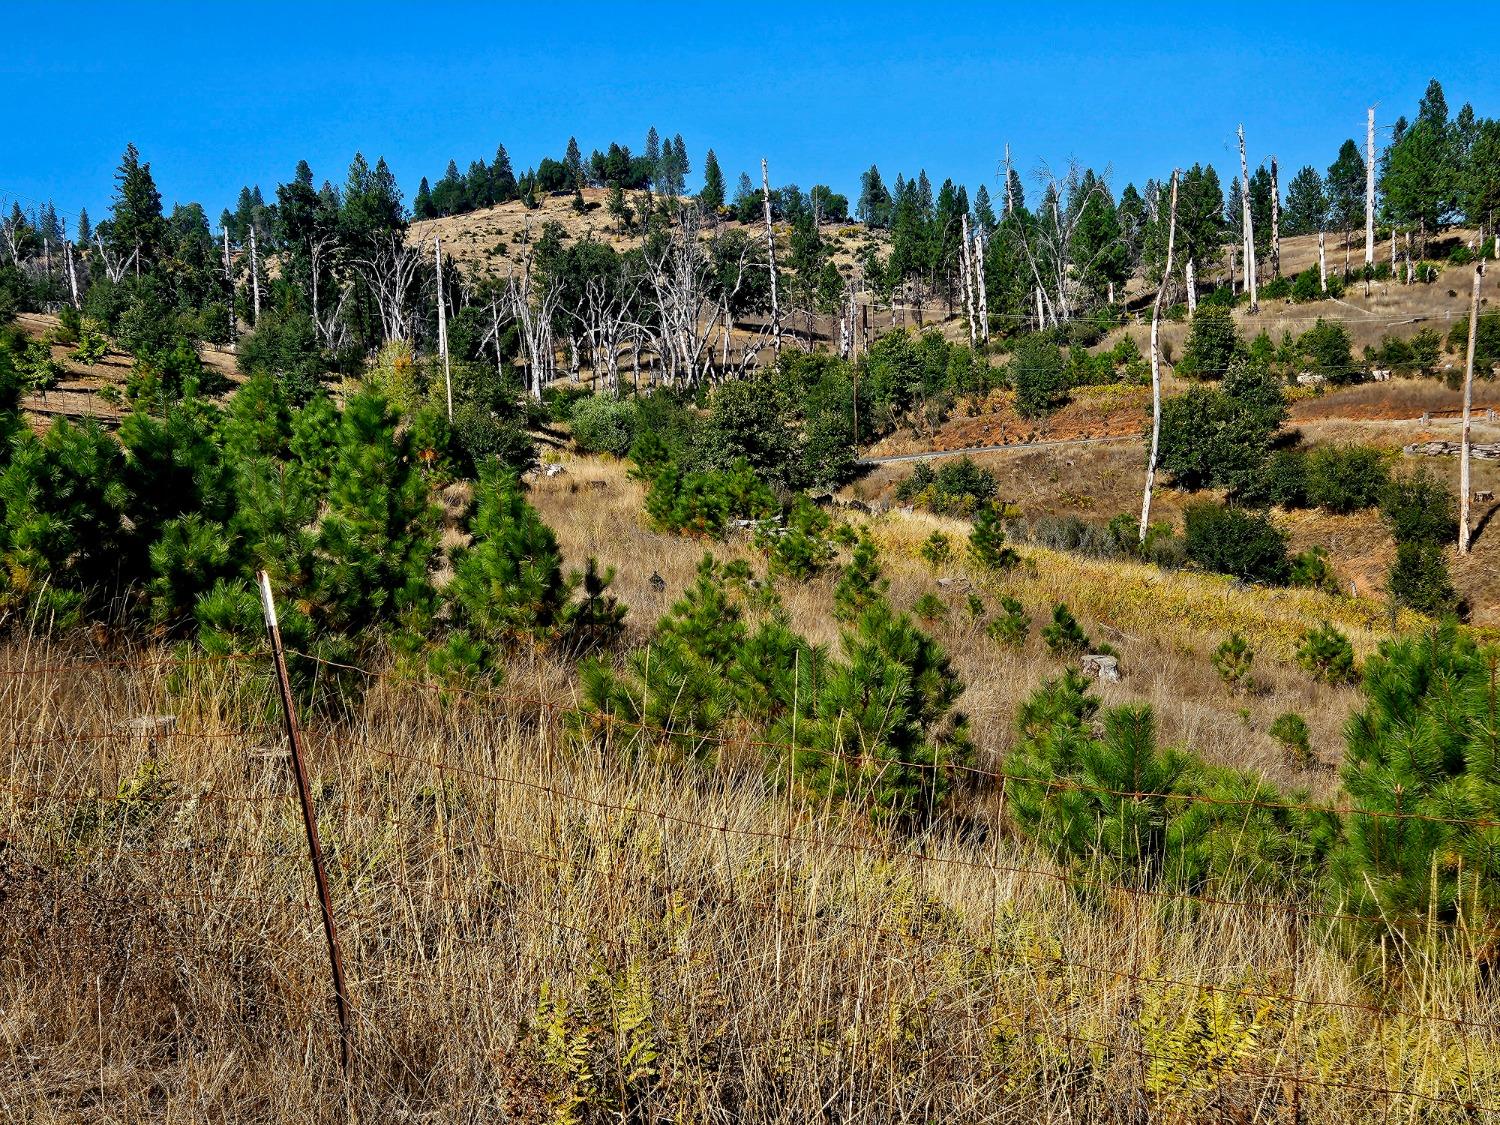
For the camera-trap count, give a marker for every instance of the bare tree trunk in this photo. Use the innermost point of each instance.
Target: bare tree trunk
(73, 275)
(442, 306)
(255, 272)
(1370, 189)
(1192, 286)
(1322, 263)
(1156, 364)
(984, 297)
(1249, 226)
(1040, 319)
(1231, 269)
(765, 188)
(1464, 494)
(1275, 222)
(966, 267)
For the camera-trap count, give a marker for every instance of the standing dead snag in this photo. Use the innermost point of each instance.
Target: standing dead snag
(1275, 222)
(437, 258)
(966, 268)
(1249, 227)
(979, 283)
(1161, 293)
(1322, 264)
(765, 188)
(1464, 494)
(254, 273)
(1370, 189)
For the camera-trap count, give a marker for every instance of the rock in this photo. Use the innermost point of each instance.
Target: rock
(554, 471)
(1484, 496)
(658, 583)
(857, 506)
(945, 582)
(1105, 669)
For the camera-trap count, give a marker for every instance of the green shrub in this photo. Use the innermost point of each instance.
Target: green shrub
(1236, 542)
(1212, 344)
(1419, 580)
(1423, 746)
(1283, 481)
(1064, 636)
(703, 503)
(1326, 349)
(1419, 509)
(1346, 478)
(1312, 570)
(803, 546)
(1012, 624)
(936, 549)
(1327, 654)
(603, 425)
(1232, 660)
(861, 584)
(1219, 437)
(987, 541)
(957, 487)
(1290, 730)
(1038, 375)
(929, 607)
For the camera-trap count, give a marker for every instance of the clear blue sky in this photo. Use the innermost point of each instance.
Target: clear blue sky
(218, 95)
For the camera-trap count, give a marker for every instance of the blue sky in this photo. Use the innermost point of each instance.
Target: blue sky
(219, 95)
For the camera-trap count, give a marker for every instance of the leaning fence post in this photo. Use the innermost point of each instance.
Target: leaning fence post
(309, 816)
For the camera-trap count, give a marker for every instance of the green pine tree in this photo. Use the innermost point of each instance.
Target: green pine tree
(987, 541)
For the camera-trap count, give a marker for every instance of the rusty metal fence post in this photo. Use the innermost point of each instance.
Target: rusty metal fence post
(309, 816)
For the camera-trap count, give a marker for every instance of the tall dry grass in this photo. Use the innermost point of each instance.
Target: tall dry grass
(536, 930)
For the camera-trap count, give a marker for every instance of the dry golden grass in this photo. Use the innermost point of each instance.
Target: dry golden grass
(536, 931)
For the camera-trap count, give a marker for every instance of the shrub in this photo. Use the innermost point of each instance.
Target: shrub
(1012, 624)
(929, 607)
(802, 547)
(1423, 746)
(1418, 579)
(1311, 570)
(603, 425)
(1212, 344)
(1346, 478)
(1219, 436)
(1290, 730)
(957, 487)
(703, 503)
(936, 549)
(1283, 481)
(1064, 636)
(861, 584)
(1419, 509)
(1236, 542)
(987, 541)
(1326, 349)
(1327, 654)
(1038, 375)
(1232, 660)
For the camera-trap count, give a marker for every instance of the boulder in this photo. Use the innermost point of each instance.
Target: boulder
(1105, 669)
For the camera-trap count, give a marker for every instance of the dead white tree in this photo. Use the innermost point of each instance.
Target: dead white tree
(114, 267)
(604, 316)
(229, 285)
(254, 272)
(979, 283)
(1275, 222)
(388, 271)
(1161, 293)
(328, 318)
(966, 268)
(1464, 494)
(442, 311)
(1051, 247)
(765, 188)
(1370, 189)
(1322, 263)
(1249, 228)
(72, 268)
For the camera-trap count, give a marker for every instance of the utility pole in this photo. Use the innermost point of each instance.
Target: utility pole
(1464, 493)
(1156, 364)
(1370, 189)
(1275, 222)
(437, 257)
(1249, 227)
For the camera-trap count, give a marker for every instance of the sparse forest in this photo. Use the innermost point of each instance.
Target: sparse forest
(730, 673)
